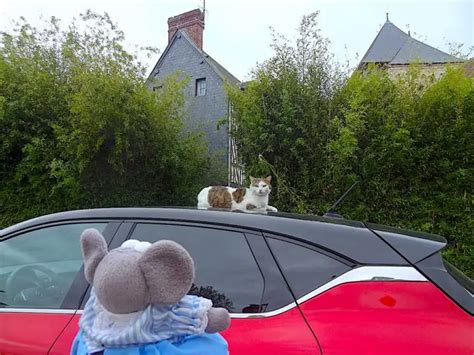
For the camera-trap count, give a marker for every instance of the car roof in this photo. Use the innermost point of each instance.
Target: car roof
(351, 239)
(414, 246)
(190, 214)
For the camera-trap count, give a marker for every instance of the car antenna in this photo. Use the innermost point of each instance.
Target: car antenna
(332, 211)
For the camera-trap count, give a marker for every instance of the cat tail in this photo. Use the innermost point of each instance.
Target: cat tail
(202, 199)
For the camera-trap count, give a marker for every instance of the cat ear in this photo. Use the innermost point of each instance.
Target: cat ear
(268, 179)
(252, 179)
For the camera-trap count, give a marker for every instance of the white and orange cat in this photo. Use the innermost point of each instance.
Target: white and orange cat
(252, 199)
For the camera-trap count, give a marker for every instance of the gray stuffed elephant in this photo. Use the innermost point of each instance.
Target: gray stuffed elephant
(139, 301)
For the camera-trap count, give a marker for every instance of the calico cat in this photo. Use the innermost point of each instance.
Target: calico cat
(253, 199)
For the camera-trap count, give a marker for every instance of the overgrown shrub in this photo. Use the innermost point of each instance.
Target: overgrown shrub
(409, 140)
(79, 128)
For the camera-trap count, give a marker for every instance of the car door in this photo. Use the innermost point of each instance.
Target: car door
(40, 284)
(235, 269)
(370, 309)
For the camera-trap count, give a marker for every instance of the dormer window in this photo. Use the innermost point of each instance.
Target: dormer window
(201, 87)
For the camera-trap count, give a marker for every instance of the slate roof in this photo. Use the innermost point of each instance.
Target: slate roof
(222, 72)
(393, 46)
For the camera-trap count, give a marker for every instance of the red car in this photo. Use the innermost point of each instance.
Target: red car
(293, 284)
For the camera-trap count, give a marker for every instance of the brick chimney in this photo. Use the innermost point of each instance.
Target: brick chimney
(192, 22)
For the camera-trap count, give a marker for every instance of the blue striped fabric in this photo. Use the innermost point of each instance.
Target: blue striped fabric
(102, 329)
(204, 344)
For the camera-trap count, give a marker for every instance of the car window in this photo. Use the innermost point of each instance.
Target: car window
(458, 275)
(305, 269)
(37, 268)
(226, 271)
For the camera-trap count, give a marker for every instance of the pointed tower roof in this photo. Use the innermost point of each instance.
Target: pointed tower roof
(393, 46)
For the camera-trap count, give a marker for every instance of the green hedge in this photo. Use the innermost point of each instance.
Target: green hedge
(409, 140)
(79, 128)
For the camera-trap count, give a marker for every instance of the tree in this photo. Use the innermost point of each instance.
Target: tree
(79, 127)
(408, 140)
(218, 299)
(458, 50)
(283, 116)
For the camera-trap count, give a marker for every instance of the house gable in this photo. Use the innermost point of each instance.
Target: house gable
(197, 54)
(202, 113)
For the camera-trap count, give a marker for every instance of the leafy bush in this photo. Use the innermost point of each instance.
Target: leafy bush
(79, 128)
(414, 152)
(409, 140)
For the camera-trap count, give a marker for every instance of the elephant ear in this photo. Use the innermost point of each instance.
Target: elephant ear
(94, 248)
(168, 270)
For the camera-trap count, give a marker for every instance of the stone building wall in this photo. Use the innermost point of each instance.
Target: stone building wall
(202, 113)
(437, 70)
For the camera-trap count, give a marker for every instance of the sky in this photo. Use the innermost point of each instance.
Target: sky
(237, 32)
